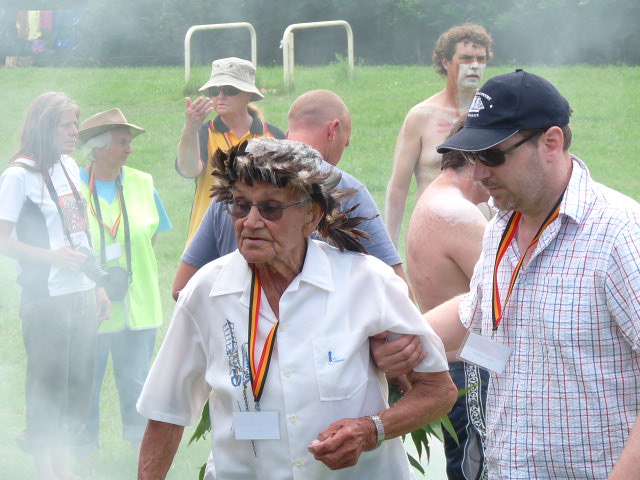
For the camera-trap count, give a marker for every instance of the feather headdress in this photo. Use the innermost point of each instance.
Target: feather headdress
(289, 164)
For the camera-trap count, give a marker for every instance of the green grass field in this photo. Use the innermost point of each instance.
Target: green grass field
(606, 123)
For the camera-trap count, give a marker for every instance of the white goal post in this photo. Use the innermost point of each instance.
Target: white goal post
(288, 47)
(215, 26)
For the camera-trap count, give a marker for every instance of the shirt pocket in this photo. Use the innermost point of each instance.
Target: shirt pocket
(340, 369)
(568, 313)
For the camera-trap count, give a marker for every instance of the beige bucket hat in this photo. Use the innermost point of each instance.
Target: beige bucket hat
(105, 121)
(236, 72)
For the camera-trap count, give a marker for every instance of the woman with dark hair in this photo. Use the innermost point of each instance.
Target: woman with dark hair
(43, 224)
(276, 336)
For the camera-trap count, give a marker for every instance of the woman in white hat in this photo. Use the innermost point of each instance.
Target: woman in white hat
(125, 215)
(229, 90)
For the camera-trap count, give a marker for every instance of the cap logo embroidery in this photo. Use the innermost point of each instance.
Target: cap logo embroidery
(476, 106)
(505, 104)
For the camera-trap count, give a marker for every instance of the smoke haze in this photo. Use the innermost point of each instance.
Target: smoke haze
(147, 32)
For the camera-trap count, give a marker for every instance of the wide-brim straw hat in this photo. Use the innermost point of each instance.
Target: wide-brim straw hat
(105, 121)
(236, 72)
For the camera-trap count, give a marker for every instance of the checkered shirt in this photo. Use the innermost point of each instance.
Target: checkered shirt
(570, 393)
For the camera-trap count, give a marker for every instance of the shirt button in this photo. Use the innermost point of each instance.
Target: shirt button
(293, 418)
(287, 373)
(283, 328)
(298, 463)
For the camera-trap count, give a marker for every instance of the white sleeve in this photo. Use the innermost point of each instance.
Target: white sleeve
(12, 194)
(176, 390)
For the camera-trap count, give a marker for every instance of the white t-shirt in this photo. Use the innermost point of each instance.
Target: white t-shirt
(25, 201)
(320, 370)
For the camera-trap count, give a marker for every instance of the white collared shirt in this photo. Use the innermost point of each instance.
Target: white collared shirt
(320, 371)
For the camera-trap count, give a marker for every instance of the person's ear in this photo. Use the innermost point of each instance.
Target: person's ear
(314, 214)
(445, 64)
(552, 140)
(96, 152)
(332, 128)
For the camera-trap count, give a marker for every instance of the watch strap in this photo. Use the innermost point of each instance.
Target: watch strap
(379, 429)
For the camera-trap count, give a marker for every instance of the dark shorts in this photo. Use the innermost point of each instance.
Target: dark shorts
(465, 461)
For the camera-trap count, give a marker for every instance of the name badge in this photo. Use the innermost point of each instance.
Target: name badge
(113, 251)
(484, 352)
(256, 425)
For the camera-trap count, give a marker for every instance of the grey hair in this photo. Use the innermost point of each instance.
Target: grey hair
(288, 164)
(101, 141)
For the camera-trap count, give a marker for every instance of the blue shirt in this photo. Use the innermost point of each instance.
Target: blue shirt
(107, 190)
(216, 237)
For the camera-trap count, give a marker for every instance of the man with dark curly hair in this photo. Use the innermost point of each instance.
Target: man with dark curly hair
(460, 55)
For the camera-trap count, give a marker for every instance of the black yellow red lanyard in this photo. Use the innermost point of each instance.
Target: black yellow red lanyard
(260, 370)
(229, 140)
(113, 230)
(507, 237)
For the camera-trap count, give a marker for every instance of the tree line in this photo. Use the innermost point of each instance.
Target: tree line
(151, 32)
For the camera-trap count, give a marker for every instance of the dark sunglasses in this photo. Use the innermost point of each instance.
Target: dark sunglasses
(228, 90)
(494, 156)
(268, 210)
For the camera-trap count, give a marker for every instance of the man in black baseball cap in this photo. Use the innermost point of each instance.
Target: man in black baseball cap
(505, 105)
(506, 115)
(554, 304)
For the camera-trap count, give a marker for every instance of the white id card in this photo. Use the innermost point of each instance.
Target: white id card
(113, 251)
(256, 425)
(484, 352)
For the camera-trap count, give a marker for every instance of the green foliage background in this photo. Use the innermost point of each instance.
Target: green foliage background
(151, 32)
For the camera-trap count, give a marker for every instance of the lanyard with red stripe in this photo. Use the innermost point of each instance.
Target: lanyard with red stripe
(229, 140)
(258, 372)
(507, 237)
(92, 185)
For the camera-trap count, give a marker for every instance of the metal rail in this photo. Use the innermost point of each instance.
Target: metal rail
(215, 26)
(287, 45)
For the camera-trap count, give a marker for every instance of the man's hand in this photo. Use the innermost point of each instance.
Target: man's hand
(340, 445)
(396, 357)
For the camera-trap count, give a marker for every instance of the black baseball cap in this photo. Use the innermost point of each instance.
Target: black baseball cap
(506, 104)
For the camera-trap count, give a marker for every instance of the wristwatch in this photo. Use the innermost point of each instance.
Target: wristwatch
(379, 429)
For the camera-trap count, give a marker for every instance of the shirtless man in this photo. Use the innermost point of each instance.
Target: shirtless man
(446, 218)
(460, 55)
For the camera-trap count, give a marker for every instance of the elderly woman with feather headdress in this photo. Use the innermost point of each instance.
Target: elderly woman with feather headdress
(276, 336)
